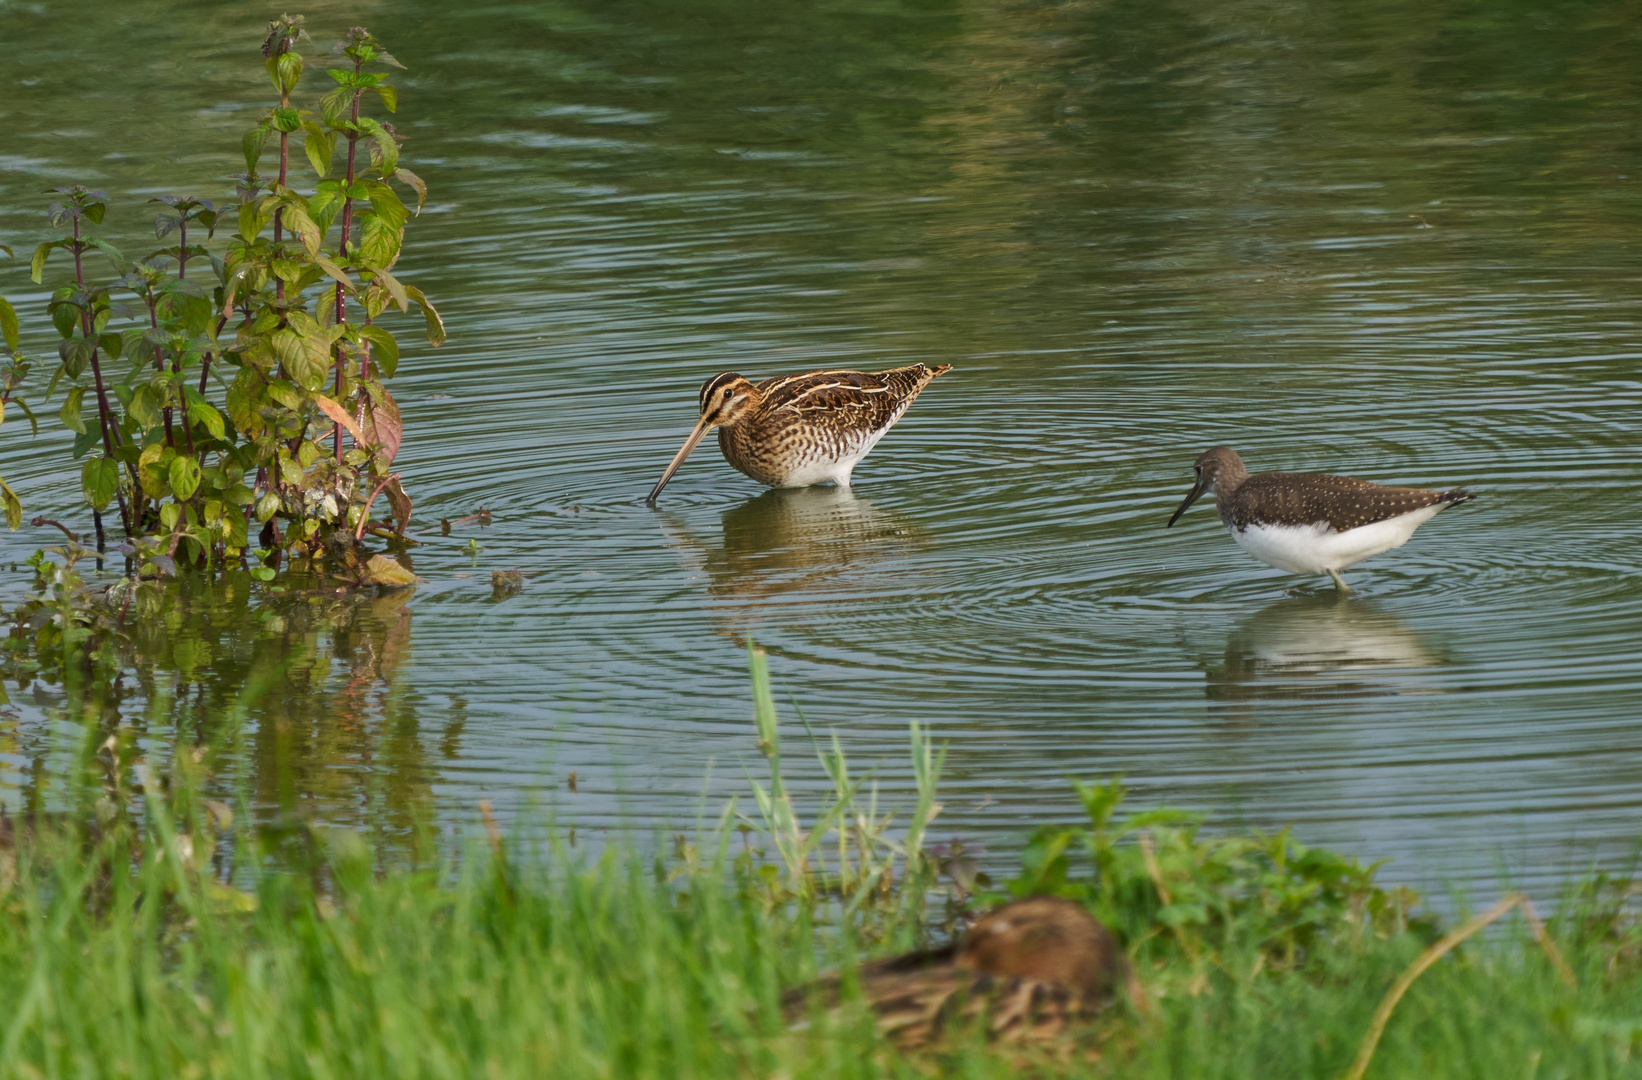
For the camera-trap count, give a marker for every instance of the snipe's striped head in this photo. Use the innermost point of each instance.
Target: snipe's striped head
(725, 399)
(1218, 465)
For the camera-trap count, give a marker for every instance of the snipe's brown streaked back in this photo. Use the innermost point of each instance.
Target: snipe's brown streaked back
(1029, 969)
(806, 429)
(1311, 523)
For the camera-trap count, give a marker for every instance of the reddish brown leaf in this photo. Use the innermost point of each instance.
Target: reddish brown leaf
(382, 424)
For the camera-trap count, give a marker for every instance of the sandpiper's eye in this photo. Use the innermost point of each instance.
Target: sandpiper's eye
(727, 392)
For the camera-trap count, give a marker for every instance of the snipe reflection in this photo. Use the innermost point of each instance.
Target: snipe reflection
(1317, 645)
(793, 544)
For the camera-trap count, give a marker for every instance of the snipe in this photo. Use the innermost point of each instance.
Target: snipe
(1029, 970)
(805, 429)
(1311, 523)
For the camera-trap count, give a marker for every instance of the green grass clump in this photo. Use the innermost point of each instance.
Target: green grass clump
(144, 934)
(507, 965)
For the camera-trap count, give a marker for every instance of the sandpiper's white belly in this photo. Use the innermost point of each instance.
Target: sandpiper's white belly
(1317, 549)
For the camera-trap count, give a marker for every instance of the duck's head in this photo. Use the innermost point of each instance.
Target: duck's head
(725, 401)
(1048, 939)
(1218, 465)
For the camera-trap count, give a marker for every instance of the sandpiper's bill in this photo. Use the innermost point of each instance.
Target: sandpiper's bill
(804, 429)
(1311, 523)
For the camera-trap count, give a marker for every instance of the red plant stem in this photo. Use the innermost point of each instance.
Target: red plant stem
(182, 248)
(205, 363)
(342, 250)
(279, 215)
(104, 414)
(159, 365)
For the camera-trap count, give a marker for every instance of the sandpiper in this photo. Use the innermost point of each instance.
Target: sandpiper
(1030, 969)
(1311, 523)
(804, 429)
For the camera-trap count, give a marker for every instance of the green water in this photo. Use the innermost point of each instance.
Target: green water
(1393, 240)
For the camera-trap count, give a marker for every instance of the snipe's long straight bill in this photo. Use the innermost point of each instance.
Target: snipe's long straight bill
(1197, 489)
(702, 427)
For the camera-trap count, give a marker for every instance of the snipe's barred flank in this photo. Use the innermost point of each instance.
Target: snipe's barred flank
(805, 429)
(1311, 523)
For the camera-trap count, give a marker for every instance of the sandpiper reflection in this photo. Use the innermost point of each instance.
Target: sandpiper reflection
(1313, 646)
(793, 544)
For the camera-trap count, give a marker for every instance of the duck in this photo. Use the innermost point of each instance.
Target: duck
(1029, 971)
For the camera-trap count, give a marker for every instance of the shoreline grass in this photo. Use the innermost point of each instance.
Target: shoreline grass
(136, 949)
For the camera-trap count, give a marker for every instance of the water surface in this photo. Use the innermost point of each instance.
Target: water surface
(1392, 240)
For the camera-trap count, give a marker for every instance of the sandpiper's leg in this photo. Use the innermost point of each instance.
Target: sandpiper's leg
(1339, 582)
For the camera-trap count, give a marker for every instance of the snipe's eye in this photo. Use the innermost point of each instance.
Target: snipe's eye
(727, 393)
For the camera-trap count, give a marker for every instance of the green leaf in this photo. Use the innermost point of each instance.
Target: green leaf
(203, 412)
(239, 495)
(252, 145)
(115, 255)
(14, 505)
(389, 96)
(326, 202)
(416, 184)
(320, 146)
(84, 441)
(37, 265)
(384, 349)
(185, 477)
(153, 469)
(111, 344)
(100, 479)
(395, 289)
(144, 406)
(267, 507)
(8, 324)
(70, 411)
(436, 325)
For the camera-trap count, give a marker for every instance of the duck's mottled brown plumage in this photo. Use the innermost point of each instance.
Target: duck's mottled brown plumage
(1028, 970)
(798, 430)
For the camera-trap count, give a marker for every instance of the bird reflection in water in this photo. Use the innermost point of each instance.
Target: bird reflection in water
(1316, 646)
(793, 545)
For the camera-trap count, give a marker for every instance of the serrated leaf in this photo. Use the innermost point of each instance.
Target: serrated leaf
(416, 184)
(383, 426)
(384, 349)
(14, 505)
(70, 412)
(320, 146)
(382, 570)
(435, 324)
(401, 504)
(153, 470)
(99, 480)
(395, 289)
(337, 412)
(204, 413)
(185, 477)
(297, 220)
(8, 324)
(37, 265)
(251, 145)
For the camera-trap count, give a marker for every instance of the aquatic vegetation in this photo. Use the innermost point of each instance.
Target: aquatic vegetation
(194, 472)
